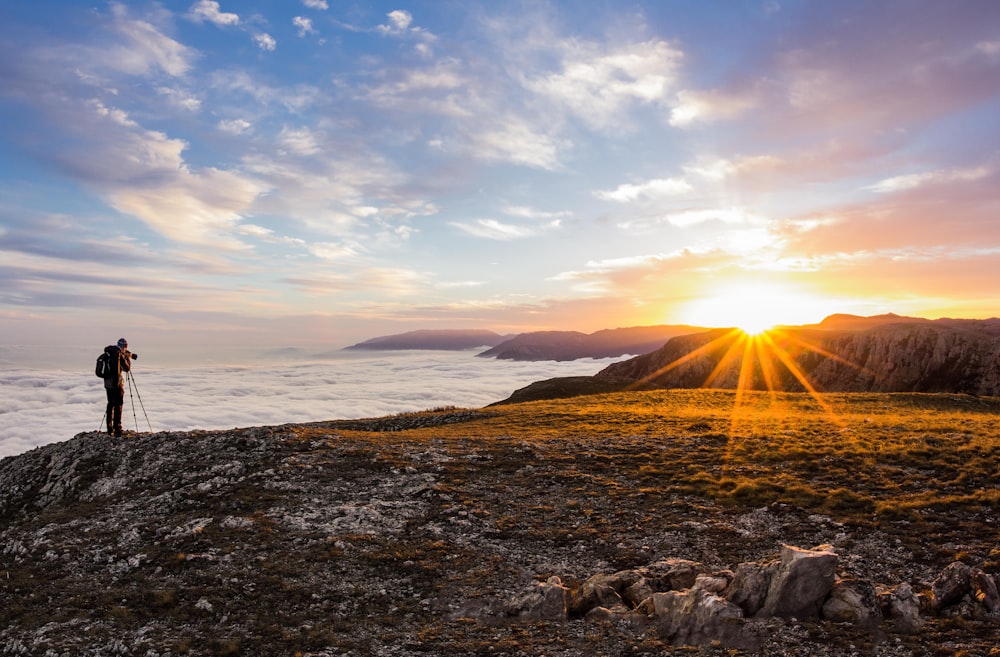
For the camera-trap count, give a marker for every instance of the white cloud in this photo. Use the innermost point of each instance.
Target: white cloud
(596, 86)
(265, 41)
(180, 98)
(653, 189)
(300, 140)
(44, 406)
(145, 49)
(303, 25)
(706, 106)
(495, 230)
(235, 126)
(531, 213)
(731, 216)
(399, 22)
(209, 10)
(518, 142)
(914, 180)
(316, 4)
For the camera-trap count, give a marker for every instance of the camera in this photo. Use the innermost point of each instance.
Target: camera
(135, 356)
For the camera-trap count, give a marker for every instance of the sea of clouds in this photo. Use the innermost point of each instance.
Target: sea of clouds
(46, 403)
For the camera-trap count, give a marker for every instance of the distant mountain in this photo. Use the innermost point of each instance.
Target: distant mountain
(442, 340)
(903, 355)
(573, 345)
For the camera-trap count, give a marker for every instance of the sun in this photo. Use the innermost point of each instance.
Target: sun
(754, 307)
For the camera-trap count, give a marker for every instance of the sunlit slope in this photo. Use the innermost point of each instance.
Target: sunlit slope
(888, 358)
(855, 456)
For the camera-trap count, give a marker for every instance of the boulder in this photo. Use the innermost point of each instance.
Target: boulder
(901, 605)
(802, 582)
(695, 617)
(954, 583)
(750, 584)
(672, 574)
(852, 601)
(985, 589)
(546, 601)
(601, 591)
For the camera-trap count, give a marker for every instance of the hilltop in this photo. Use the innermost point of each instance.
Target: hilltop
(943, 356)
(514, 530)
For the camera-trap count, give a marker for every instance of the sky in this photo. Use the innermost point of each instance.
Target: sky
(319, 172)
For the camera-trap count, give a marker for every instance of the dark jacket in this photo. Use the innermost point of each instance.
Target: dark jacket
(124, 365)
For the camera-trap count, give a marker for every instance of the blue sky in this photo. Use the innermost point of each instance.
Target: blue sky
(320, 172)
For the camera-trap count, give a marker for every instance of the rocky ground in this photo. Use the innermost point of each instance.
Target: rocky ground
(428, 534)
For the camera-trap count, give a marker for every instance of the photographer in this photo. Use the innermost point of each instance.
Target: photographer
(119, 360)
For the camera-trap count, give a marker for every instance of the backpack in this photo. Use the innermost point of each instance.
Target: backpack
(108, 364)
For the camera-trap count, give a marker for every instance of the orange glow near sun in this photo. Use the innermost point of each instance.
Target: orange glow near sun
(755, 307)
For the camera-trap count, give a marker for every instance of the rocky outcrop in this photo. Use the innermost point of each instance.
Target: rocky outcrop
(689, 604)
(942, 356)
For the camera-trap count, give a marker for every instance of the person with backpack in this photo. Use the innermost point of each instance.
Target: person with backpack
(110, 365)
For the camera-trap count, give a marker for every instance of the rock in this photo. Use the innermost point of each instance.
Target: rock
(546, 601)
(597, 591)
(750, 585)
(954, 583)
(985, 591)
(852, 601)
(715, 583)
(801, 584)
(901, 605)
(672, 574)
(696, 617)
(637, 592)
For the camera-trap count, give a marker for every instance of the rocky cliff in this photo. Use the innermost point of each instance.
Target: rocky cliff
(960, 356)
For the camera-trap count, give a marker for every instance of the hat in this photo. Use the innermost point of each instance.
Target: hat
(122, 343)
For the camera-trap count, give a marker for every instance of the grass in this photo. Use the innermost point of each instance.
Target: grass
(493, 499)
(857, 457)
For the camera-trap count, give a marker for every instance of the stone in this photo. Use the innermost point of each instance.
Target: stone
(672, 574)
(696, 617)
(546, 601)
(985, 591)
(714, 583)
(954, 583)
(750, 584)
(902, 606)
(801, 584)
(852, 601)
(598, 591)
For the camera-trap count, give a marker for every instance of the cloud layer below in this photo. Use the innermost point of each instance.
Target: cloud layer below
(38, 407)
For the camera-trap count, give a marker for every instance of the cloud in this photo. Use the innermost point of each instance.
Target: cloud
(496, 230)
(707, 106)
(41, 406)
(652, 189)
(597, 84)
(235, 126)
(303, 25)
(399, 22)
(180, 98)
(941, 176)
(144, 50)
(265, 41)
(301, 141)
(316, 4)
(209, 10)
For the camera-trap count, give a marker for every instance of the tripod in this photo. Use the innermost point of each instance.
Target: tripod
(131, 384)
